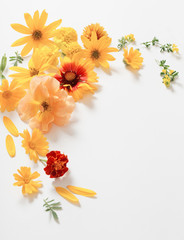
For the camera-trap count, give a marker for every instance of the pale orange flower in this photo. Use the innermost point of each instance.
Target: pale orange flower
(45, 103)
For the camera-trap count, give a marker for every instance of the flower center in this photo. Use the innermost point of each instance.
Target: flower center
(33, 72)
(37, 34)
(70, 76)
(44, 106)
(95, 54)
(7, 94)
(58, 165)
(32, 145)
(26, 180)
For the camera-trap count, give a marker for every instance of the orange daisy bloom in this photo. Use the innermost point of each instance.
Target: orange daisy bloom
(99, 30)
(77, 76)
(38, 33)
(133, 58)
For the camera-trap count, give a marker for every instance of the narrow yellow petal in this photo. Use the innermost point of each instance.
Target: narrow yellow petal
(21, 28)
(81, 191)
(66, 194)
(27, 49)
(52, 26)
(21, 41)
(10, 126)
(10, 146)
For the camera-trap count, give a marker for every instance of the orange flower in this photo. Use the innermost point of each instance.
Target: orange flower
(45, 103)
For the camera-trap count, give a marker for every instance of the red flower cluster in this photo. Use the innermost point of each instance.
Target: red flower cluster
(56, 164)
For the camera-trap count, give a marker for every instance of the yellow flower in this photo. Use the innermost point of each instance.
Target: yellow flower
(71, 48)
(99, 30)
(50, 55)
(35, 145)
(38, 33)
(164, 71)
(25, 179)
(77, 76)
(171, 72)
(167, 81)
(10, 95)
(130, 37)
(175, 48)
(133, 58)
(97, 50)
(65, 35)
(37, 66)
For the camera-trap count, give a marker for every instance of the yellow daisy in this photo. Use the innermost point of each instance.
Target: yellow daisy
(77, 76)
(99, 30)
(97, 50)
(38, 33)
(25, 179)
(35, 145)
(133, 58)
(37, 66)
(10, 95)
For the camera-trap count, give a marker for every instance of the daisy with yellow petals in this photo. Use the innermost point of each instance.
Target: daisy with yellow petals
(97, 50)
(35, 145)
(10, 95)
(38, 34)
(99, 30)
(26, 180)
(133, 58)
(77, 76)
(38, 64)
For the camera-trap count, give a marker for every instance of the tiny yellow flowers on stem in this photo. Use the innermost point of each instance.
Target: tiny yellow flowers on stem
(167, 74)
(35, 145)
(125, 40)
(26, 180)
(38, 33)
(132, 58)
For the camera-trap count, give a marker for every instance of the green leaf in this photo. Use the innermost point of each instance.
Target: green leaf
(55, 216)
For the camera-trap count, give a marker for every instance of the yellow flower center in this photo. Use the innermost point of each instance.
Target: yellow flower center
(32, 145)
(70, 76)
(44, 106)
(37, 34)
(7, 94)
(33, 72)
(26, 180)
(95, 54)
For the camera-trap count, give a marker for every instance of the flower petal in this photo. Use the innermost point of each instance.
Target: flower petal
(10, 146)
(10, 126)
(29, 20)
(27, 49)
(21, 41)
(21, 28)
(66, 194)
(52, 26)
(43, 19)
(81, 191)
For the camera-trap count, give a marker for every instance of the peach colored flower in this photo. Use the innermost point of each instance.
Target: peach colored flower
(45, 103)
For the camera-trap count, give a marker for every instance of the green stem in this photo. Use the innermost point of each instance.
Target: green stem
(43, 161)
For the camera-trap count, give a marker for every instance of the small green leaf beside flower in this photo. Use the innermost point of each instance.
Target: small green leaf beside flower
(125, 40)
(16, 59)
(52, 207)
(3, 66)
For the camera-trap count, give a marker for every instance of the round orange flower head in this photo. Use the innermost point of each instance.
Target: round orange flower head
(133, 58)
(38, 33)
(35, 145)
(97, 50)
(77, 76)
(26, 180)
(45, 103)
(10, 95)
(97, 28)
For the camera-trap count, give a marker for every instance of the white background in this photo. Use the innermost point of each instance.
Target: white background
(126, 142)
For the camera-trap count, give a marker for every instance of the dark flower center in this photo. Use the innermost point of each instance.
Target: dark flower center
(6, 94)
(33, 72)
(70, 78)
(45, 106)
(37, 34)
(95, 54)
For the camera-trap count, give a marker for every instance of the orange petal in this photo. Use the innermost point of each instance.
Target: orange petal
(81, 191)
(66, 194)
(52, 26)
(27, 49)
(10, 126)
(21, 41)
(20, 28)
(10, 146)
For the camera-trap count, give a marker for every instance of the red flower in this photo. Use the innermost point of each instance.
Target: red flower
(56, 164)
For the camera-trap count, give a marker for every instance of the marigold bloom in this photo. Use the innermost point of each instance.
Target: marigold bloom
(45, 103)
(37, 66)
(66, 35)
(35, 145)
(10, 95)
(99, 30)
(133, 58)
(70, 49)
(25, 179)
(76, 76)
(38, 33)
(56, 164)
(97, 50)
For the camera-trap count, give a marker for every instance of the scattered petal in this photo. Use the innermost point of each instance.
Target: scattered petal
(66, 194)
(81, 191)
(10, 126)
(10, 146)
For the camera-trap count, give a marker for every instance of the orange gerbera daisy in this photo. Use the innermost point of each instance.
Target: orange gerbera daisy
(99, 30)
(133, 58)
(38, 33)
(77, 76)
(45, 103)
(10, 95)
(97, 50)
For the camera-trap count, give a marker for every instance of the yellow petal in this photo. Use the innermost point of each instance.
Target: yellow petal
(20, 28)
(10, 126)
(81, 191)
(52, 26)
(66, 194)
(10, 146)
(27, 49)
(21, 41)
